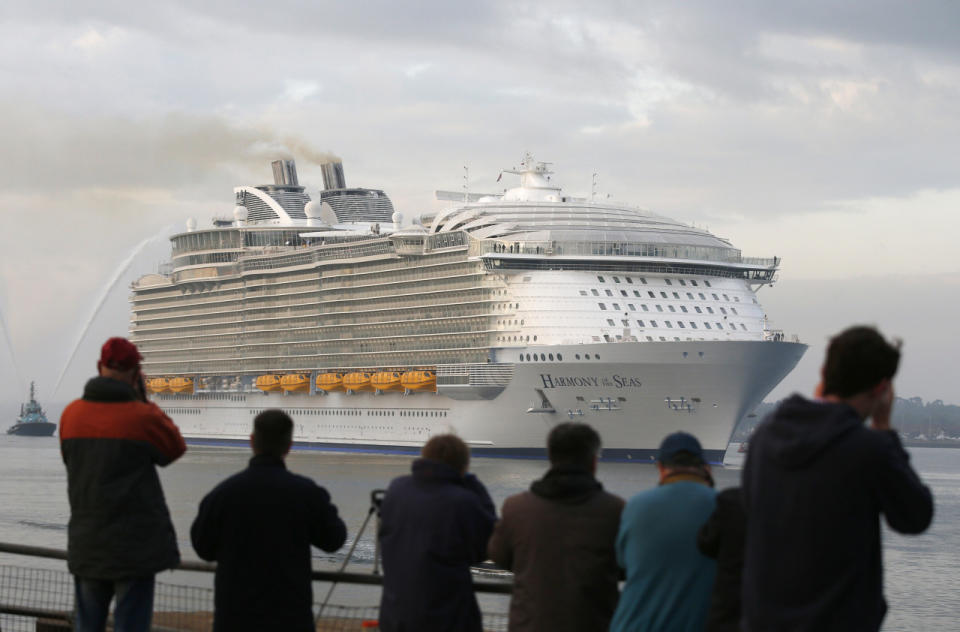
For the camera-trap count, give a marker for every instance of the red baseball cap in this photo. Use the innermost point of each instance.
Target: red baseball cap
(120, 354)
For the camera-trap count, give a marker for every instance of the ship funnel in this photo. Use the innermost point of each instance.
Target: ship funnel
(284, 172)
(333, 175)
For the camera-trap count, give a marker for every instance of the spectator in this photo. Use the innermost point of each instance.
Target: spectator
(558, 539)
(722, 539)
(120, 534)
(668, 580)
(815, 482)
(258, 526)
(435, 523)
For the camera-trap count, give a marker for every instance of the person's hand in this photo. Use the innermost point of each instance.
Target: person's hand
(880, 420)
(140, 387)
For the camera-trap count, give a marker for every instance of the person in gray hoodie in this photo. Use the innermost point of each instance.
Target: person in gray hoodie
(558, 539)
(815, 483)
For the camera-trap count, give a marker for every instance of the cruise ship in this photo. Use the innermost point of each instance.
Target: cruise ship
(495, 319)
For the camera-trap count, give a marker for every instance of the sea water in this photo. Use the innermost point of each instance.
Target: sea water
(922, 580)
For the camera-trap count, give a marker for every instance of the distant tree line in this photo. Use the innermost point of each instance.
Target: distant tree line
(912, 417)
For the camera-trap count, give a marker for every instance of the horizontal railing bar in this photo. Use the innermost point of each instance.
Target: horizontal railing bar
(503, 588)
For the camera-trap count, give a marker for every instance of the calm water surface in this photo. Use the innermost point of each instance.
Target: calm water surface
(922, 572)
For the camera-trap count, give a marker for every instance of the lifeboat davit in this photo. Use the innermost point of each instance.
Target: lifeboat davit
(158, 385)
(386, 381)
(295, 383)
(267, 383)
(357, 382)
(329, 382)
(181, 385)
(422, 380)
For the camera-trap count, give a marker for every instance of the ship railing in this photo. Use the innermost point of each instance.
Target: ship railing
(41, 596)
(475, 374)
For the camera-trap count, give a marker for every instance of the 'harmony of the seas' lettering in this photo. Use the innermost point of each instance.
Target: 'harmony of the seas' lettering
(563, 381)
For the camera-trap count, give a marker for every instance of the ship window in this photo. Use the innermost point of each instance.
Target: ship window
(521, 357)
(670, 325)
(734, 310)
(594, 292)
(607, 337)
(707, 283)
(743, 327)
(659, 308)
(693, 324)
(616, 279)
(609, 292)
(643, 281)
(623, 293)
(644, 307)
(719, 325)
(577, 356)
(663, 295)
(583, 292)
(559, 357)
(651, 294)
(653, 323)
(596, 356)
(709, 310)
(736, 298)
(683, 308)
(610, 322)
(625, 322)
(707, 325)
(723, 310)
(662, 338)
(676, 295)
(640, 323)
(732, 326)
(600, 278)
(528, 357)
(632, 307)
(603, 306)
(629, 280)
(702, 297)
(715, 297)
(682, 282)
(698, 310)
(534, 338)
(616, 306)
(671, 308)
(726, 298)
(668, 282)
(636, 293)
(551, 357)
(693, 283)
(680, 323)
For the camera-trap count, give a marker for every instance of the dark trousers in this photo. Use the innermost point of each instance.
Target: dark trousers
(134, 609)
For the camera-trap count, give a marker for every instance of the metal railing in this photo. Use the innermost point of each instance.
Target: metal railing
(43, 599)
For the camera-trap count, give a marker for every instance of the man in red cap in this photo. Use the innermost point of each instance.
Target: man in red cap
(120, 534)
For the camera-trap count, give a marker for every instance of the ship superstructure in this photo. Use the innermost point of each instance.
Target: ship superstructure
(32, 421)
(496, 318)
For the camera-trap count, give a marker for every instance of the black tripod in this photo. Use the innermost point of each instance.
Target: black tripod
(376, 500)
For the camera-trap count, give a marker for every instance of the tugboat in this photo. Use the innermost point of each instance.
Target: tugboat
(32, 421)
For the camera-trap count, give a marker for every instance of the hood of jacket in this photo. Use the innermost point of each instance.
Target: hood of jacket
(566, 484)
(800, 429)
(107, 389)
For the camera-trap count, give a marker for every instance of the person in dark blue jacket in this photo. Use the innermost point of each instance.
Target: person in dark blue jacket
(815, 483)
(258, 526)
(435, 524)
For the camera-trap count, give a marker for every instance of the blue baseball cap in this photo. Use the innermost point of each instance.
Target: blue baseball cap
(676, 443)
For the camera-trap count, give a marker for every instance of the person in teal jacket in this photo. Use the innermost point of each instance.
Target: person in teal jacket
(668, 581)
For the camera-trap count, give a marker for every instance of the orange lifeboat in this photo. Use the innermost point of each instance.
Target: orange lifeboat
(329, 382)
(267, 383)
(158, 385)
(181, 385)
(295, 383)
(386, 381)
(357, 382)
(421, 380)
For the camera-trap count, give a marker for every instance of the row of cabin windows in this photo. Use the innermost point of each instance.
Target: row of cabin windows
(643, 281)
(543, 357)
(683, 308)
(676, 295)
(680, 324)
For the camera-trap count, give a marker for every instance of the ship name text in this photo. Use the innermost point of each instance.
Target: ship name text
(563, 381)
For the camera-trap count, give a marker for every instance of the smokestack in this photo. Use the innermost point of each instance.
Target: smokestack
(285, 172)
(333, 175)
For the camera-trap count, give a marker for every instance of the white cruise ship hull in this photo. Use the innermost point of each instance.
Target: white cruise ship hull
(634, 394)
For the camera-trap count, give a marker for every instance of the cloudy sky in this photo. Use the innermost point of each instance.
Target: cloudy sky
(822, 132)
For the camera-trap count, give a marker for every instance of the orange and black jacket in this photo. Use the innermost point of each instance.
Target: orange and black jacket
(119, 522)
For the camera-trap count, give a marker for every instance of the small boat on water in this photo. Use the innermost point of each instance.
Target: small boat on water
(32, 421)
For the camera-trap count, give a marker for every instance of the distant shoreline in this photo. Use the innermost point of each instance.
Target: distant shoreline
(937, 443)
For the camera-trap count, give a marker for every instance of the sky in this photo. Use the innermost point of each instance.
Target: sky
(825, 133)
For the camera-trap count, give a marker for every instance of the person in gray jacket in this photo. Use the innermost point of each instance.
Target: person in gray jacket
(558, 539)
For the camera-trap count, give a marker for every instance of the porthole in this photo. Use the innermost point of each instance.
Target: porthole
(551, 357)
(559, 357)
(577, 356)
